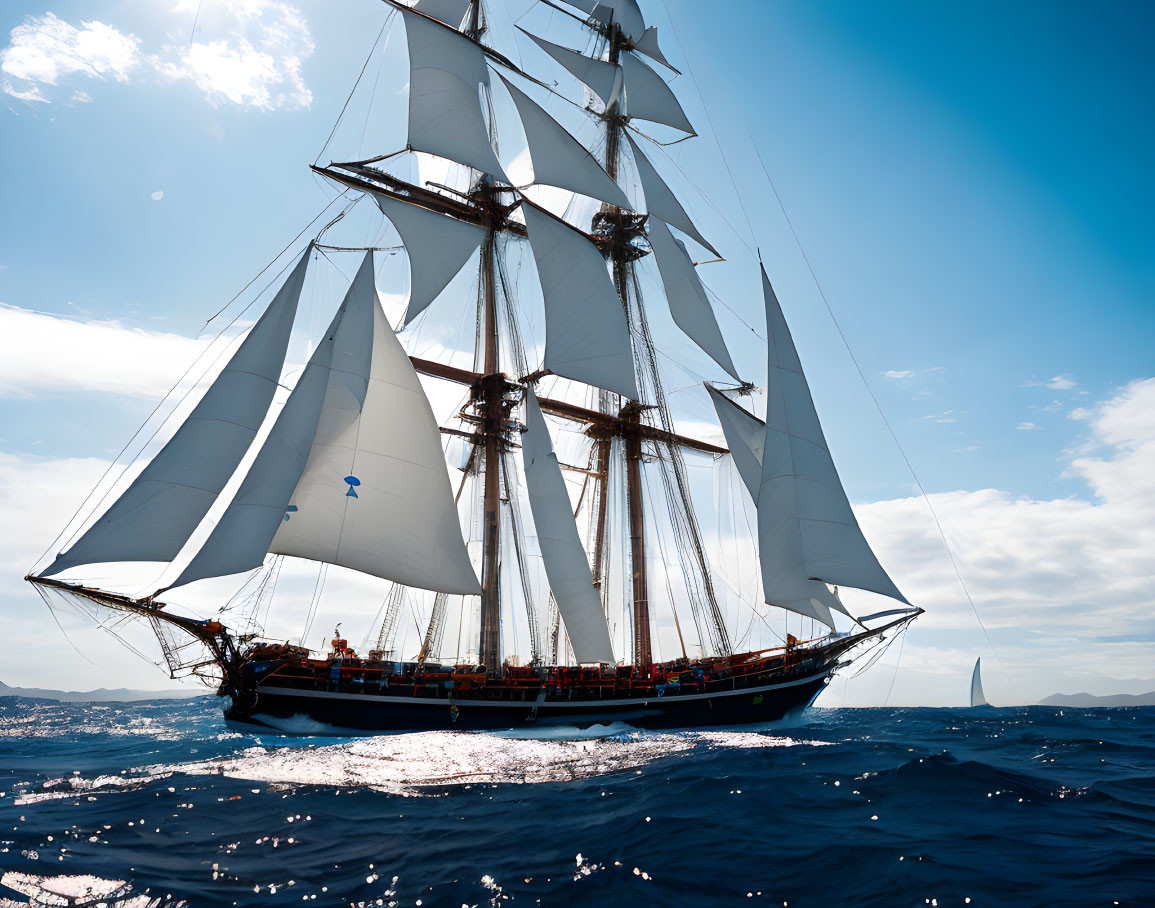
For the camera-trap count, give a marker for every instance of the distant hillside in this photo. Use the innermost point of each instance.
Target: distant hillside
(103, 695)
(1084, 701)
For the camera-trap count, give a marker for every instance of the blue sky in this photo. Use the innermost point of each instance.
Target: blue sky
(970, 182)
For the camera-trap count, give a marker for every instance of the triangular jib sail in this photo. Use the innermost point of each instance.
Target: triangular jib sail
(977, 696)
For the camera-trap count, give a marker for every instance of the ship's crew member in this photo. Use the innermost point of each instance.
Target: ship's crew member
(791, 642)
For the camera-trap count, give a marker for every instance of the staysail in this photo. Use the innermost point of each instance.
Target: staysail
(602, 78)
(566, 564)
(352, 473)
(806, 528)
(660, 199)
(158, 513)
(977, 698)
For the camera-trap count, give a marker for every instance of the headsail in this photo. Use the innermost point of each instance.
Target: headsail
(806, 528)
(446, 70)
(566, 564)
(977, 698)
(158, 513)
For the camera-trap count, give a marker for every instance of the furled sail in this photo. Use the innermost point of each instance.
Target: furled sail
(746, 439)
(648, 97)
(558, 158)
(158, 513)
(451, 12)
(602, 78)
(977, 698)
(566, 564)
(586, 337)
(375, 495)
(438, 246)
(446, 70)
(689, 306)
(806, 527)
(660, 199)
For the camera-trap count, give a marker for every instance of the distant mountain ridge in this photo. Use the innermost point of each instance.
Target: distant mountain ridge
(1085, 700)
(102, 695)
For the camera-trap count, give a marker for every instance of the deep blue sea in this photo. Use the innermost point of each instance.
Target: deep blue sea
(894, 807)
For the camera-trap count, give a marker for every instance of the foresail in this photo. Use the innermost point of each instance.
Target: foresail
(660, 199)
(602, 78)
(689, 306)
(566, 564)
(746, 438)
(586, 337)
(558, 158)
(806, 527)
(648, 97)
(438, 247)
(648, 44)
(446, 71)
(159, 511)
(375, 495)
(977, 697)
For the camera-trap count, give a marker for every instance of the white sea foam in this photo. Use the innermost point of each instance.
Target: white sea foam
(79, 890)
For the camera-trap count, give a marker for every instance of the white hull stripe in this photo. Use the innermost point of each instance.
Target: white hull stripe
(532, 704)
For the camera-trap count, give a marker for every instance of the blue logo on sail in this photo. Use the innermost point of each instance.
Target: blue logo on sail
(290, 510)
(353, 483)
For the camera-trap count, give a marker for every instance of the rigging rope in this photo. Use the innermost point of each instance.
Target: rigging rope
(886, 422)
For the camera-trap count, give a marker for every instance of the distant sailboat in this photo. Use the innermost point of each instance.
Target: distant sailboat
(977, 698)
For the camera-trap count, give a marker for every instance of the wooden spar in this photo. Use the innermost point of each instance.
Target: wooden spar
(603, 475)
(492, 391)
(607, 421)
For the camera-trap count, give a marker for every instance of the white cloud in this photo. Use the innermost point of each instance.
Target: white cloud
(257, 63)
(41, 353)
(895, 373)
(44, 49)
(1050, 577)
(1061, 383)
(249, 53)
(156, 196)
(1026, 427)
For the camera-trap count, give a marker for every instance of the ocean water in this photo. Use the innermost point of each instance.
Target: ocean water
(161, 802)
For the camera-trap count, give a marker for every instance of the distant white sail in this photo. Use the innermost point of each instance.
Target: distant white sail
(648, 97)
(158, 513)
(660, 199)
(977, 698)
(586, 336)
(558, 158)
(689, 305)
(438, 247)
(746, 439)
(566, 564)
(446, 70)
(451, 12)
(806, 527)
(602, 78)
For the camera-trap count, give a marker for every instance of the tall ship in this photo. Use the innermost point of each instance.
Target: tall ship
(542, 553)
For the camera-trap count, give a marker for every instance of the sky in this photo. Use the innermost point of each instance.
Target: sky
(958, 228)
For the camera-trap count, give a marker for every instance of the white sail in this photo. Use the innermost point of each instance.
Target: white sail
(451, 12)
(241, 538)
(375, 495)
(806, 527)
(446, 71)
(660, 199)
(437, 245)
(648, 44)
(689, 306)
(558, 158)
(977, 698)
(648, 97)
(746, 439)
(566, 564)
(602, 78)
(586, 336)
(158, 513)
(624, 13)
